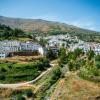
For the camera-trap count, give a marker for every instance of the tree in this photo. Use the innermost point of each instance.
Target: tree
(62, 56)
(51, 55)
(18, 32)
(71, 56)
(45, 62)
(9, 33)
(78, 52)
(90, 54)
(42, 42)
(71, 65)
(42, 64)
(56, 73)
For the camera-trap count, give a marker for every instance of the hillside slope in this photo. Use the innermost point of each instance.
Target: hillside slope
(74, 88)
(43, 27)
(30, 25)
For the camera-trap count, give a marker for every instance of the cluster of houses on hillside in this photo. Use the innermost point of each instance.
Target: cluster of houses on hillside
(61, 40)
(54, 42)
(9, 46)
(71, 43)
(86, 46)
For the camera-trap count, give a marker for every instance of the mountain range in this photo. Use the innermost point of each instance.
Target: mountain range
(29, 25)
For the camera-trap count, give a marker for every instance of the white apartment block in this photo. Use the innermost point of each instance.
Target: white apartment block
(7, 46)
(10, 46)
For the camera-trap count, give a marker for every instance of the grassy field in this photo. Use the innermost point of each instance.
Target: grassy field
(11, 72)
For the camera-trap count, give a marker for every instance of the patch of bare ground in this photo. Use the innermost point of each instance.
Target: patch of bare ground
(7, 93)
(21, 59)
(73, 88)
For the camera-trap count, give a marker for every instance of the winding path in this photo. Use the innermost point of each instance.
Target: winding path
(25, 83)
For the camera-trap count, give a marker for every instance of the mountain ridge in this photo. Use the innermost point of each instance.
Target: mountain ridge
(29, 25)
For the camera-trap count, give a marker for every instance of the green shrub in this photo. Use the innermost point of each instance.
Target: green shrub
(51, 55)
(29, 93)
(3, 69)
(97, 57)
(87, 72)
(20, 97)
(62, 56)
(90, 54)
(2, 77)
(56, 73)
(71, 65)
(98, 66)
(78, 52)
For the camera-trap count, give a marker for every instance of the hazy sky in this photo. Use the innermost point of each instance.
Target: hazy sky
(82, 13)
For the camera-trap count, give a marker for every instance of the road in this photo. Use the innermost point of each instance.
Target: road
(12, 86)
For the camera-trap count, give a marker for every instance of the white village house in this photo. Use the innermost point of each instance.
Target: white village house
(8, 46)
(3, 54)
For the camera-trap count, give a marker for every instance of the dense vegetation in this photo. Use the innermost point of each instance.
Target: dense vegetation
(51, 79)
(7, 32)
(22, 94)
(86, 65)
(14, 72)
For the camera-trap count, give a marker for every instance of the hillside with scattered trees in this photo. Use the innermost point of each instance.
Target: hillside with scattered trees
(44, 27)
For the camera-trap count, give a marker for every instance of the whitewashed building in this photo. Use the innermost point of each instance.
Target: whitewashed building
(3, 54)
(7, 46)
(10, 46)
